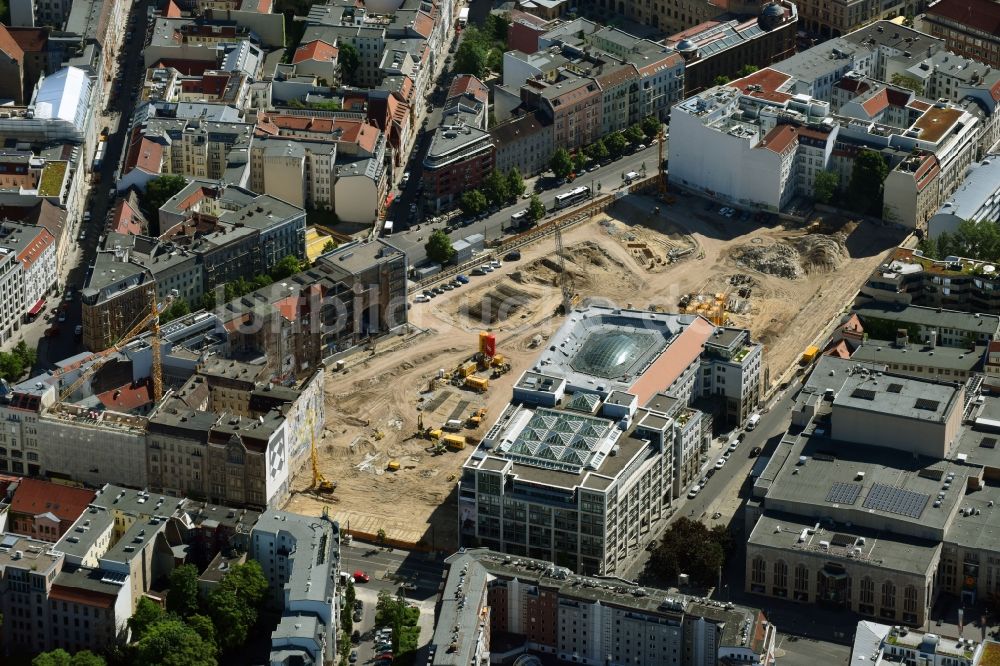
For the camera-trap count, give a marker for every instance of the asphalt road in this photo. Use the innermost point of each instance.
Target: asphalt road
(116, 117)
(609, 177)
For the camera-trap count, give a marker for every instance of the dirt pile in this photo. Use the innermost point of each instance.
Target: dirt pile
(780, 259)
(588, 264)
(821, 252)
(500, 303)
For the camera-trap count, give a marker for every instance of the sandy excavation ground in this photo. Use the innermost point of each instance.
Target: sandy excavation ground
(372, 405)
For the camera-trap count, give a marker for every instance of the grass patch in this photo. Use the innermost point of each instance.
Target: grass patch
(53, 176)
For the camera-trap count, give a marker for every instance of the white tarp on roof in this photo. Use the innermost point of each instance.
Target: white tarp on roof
(63, 96)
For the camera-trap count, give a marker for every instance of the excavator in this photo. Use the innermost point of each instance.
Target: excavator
(320, 483)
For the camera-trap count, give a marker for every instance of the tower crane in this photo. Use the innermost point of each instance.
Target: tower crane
(151, 319)
(320, 483)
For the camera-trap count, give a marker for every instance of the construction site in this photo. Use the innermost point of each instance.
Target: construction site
(402, 421)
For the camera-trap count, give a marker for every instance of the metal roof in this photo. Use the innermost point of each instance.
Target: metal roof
(63, 96)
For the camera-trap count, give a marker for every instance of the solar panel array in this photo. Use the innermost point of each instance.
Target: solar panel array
(843, 493)
(883, 497)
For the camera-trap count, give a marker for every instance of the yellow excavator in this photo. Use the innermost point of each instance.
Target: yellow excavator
(320, 483)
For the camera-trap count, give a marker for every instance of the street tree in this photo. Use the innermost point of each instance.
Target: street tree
(616, 144)
(634, 134)
(561, 163)
(579, 161)
(688, 546)
(536, 209)
(495, 188)
(651, 126)
(597, 151)
(287, 267)
(182, 596)
(515, 183)
(472, 202)
(439, 248)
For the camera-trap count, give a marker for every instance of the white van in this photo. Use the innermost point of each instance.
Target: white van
(753, 421)
(630, 176)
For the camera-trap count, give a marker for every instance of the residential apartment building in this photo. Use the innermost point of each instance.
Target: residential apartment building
(460, 156)
(45, 511)
(733, 372)
(594, 430)
(35, 249)
(12, 68)
(723, 47)
(976, 199)
(525, 142)
(970, 29)
(11, 291)
(675, 15)
(300, 556)
(113, 299)
(943, 328)
(549, 612)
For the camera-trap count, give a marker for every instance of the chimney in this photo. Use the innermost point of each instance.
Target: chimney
(902, 339)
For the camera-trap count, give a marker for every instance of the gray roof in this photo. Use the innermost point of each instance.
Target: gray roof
(782, 532)
(313, 573)
(91, 524)
(917, 399)
(970, 201)
(981, 324)
(951, 358)
(111, 275)
(358, 256)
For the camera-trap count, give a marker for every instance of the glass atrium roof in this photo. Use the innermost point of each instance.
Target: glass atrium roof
(612, 354)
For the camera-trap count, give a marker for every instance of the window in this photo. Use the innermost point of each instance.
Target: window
(757, 571)
(910, 599)
(888, 595)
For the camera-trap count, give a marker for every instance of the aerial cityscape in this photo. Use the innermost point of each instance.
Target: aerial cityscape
(499, 332)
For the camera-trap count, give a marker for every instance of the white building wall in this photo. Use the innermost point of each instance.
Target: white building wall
(11, 294)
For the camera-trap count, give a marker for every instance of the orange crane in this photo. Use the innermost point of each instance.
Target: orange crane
(151, 319)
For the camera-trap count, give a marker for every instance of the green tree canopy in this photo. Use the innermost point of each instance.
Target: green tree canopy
(908, 82)
(348, 59)
(182, 597)
(634, 134)
(689, 547)
(329, 246)
(202, 625)
(232, 620)
(515, 183)
(864, 193)
(976, 240)
(597, 151)
(171, 642)
(178, 308)
(616, 143)
(496, 26)
(561, 163)
(439, 248)
(471, 57)
(160, 189)
(60, 657)
(495, 188)
(579, 161)
(17, 361)
(825, 186)
(721, 80)
(651, 126)
(287, 267)
(536, 209)
(746, 70)
(147, 613)
(472, 202)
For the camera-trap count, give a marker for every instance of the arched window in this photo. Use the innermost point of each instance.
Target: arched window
(888, 595)
(757, 569)
(867, 590)
(910, 599)
(801, 578)
(780, 574)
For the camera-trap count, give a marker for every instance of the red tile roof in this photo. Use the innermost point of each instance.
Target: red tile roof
(675, 359)
(126, 220)
(31, 40)
(852, 85)
(779, 138)
(80, 596)
(995, 91)
(919, 105)
(423, 25)
(768, 80)
(34, 497)
(146, 155)
(467, 84)
(189, 67)
(127, 398)
(172, 10)
(316, 50)
(983, 15)
(876, 104)
(350, 131)
(9, 45)
(30, 254)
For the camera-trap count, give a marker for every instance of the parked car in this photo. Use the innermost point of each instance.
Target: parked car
(486, 268)
(642, 146)
(62, 316)
(356, 637)
(358, 604)
(354, 656)
(694, 492)
(461, 278)
(734, 445)
(420, 298)
(477, 272)
(754, 452)
(495, 264)
(447, 286)
(357, 616)
(719, 463)
(513, 255)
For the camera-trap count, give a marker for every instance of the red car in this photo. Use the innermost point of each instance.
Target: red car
(361, 577)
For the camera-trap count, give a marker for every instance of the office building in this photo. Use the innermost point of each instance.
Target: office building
(497, 606)
(969, 28)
